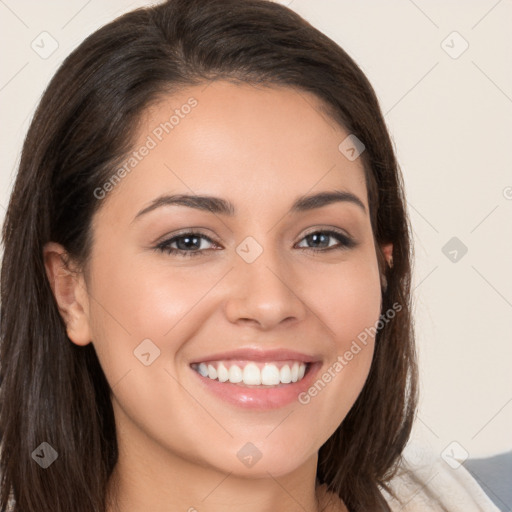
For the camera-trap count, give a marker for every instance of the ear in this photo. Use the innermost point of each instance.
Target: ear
(385, 259)
(387, 251)
(70, 292)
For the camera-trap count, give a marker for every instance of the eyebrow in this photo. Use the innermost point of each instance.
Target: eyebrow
(221, 206)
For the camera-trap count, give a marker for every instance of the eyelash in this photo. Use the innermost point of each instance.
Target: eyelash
(345, 243)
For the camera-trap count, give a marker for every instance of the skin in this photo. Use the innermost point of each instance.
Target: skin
(260, 148)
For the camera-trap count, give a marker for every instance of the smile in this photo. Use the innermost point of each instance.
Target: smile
(253, 373)
(254, 378)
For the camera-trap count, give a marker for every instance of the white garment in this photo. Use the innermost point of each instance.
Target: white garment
(426, 482)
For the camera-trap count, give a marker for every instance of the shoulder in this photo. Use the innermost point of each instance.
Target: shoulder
(425, 481)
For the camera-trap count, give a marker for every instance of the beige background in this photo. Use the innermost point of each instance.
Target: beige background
(450, 116)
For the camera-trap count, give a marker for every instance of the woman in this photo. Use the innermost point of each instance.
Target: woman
(273, 370)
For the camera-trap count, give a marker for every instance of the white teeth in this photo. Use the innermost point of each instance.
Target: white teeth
(270, 375)
(295, 372)
(212, 372)
(286, 374)
(222, 373)
(235, 374)
(203, 370)
(251, 374)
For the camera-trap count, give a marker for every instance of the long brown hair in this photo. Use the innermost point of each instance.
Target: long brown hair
(54, 391)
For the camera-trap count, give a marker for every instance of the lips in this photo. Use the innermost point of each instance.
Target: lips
(255, 378)
(253, 354)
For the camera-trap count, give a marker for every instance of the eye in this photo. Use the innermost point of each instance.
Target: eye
(320, 240)
(191, 243)
(186, 244)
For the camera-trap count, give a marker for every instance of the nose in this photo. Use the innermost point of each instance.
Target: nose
(265, 292)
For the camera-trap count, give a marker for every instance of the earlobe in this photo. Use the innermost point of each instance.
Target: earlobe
(387, 250)
(70, 293)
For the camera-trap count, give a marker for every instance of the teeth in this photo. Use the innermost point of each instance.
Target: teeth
(270, 375)
(286, 374)
(203, 370)
(222, 373)
(253, 374)
(235, 374)
(212, 372)
(295, 372)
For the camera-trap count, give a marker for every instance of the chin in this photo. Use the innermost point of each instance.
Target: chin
(262, 457)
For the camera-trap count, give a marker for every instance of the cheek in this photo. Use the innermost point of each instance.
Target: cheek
(347, 297)
(349, 303)
(140, 309)
(147, 302)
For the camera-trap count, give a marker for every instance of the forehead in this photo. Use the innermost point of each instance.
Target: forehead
(252, 144)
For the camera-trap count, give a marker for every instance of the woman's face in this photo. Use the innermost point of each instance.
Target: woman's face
(261, 290)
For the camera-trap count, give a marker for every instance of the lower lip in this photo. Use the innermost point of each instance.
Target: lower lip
(260, 398)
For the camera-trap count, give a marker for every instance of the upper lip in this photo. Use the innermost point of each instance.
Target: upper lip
(255, 354)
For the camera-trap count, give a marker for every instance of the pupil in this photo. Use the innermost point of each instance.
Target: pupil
(315, 237)
(186, 240)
